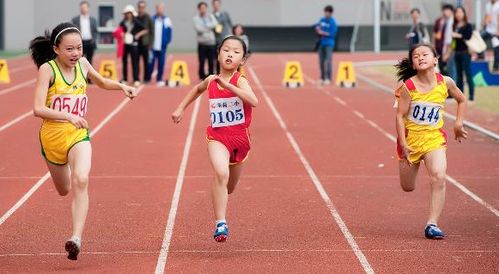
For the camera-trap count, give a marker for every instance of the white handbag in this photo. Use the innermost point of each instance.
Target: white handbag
(475, 43)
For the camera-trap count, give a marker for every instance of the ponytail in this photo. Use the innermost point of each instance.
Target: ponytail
(41, 49)
(405, 68)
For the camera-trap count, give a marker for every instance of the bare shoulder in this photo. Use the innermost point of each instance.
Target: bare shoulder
(242, 80)
(449, 81)
(400, 89)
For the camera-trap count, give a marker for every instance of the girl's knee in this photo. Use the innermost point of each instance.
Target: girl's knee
(63, 191)
(438, 179)
(79, 180)
(408, 186)
(222, 176)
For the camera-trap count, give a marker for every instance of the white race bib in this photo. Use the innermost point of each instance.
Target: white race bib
(425, 113)
(226, 112)
(70, 103)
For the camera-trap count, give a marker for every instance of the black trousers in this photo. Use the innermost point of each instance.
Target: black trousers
(206, 53)
(143, 52)
(88, 50)
(133, 51)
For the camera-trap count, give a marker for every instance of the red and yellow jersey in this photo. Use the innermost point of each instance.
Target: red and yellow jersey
(426, 111)
(67, 97)
(228, 112)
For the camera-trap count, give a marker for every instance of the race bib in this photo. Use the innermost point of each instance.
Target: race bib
(70, 103)
(423, 113)
(226, 112)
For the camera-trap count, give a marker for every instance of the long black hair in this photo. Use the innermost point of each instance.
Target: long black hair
(233, 37)
(42, 46)
(405, 68)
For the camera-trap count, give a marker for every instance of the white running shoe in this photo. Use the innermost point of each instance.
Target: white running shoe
(160, 84)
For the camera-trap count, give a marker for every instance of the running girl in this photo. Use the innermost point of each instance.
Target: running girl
(419, 122)
(61, 101)
(230, 102)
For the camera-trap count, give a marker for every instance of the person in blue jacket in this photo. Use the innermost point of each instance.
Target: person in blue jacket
(162, 28)
(326, 28)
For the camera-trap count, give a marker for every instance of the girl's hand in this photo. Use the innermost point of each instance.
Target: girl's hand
(459, 132)
(221, 81)
(177, 115)
(77, 121)
(130, 92)
(406, 152)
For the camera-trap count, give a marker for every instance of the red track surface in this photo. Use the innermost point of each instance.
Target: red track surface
(278, 220)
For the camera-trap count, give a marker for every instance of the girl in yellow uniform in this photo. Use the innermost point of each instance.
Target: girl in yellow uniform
(61, 101)
(419, 121)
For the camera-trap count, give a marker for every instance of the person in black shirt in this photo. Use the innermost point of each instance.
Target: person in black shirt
(462, 32)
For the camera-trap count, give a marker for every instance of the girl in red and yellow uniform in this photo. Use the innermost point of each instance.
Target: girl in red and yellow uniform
(419, 121)
(61, 101)
(231, 100)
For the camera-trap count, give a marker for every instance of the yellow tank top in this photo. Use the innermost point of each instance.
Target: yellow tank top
(426, 111)
(68, 97)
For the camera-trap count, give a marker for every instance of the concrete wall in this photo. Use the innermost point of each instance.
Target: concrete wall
(24, 19)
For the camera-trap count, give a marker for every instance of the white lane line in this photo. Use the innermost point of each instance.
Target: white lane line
(165, 246)
(45, 177)
(16, 120)
(453, 181)
(318, 185)
(16, 87)
(468, 124)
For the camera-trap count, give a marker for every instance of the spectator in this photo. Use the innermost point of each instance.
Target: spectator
(224, 26)
(162, 37)
(88, 28)
(238, 31)
(462, 32)
(133, 30)
(442, 34)
(326, 28)
(204, 24)
(491, 30)
(118, 35)
(145, 40)
(418, 33)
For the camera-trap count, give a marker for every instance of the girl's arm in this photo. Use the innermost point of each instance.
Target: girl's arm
(242, 90)
(455, 92)
(104, 83)
(404, 103)
(41, 110)
(193, 94)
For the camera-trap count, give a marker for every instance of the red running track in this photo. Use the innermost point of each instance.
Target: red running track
(278, 220)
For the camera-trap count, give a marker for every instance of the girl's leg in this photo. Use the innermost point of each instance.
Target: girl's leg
(80, 157)
(436, 164)
(408, 175)
(469, 76)
(219, 157)
(61, 176)
(234, 175)
(458, 57)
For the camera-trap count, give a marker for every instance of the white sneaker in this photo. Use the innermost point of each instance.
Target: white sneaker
(327, 82)
(136, 83)
(161, 84)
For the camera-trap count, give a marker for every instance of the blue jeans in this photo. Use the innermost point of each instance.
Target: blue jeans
(160, 56)
(463, 65)
(325, 60)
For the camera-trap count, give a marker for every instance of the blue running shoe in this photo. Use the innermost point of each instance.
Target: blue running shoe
(221, 232)
(432, 231)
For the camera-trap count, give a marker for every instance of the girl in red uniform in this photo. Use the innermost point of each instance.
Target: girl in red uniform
(231, 100)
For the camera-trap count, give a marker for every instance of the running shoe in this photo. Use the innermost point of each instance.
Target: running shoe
(221, 232)
(73, 247)
(432, 231)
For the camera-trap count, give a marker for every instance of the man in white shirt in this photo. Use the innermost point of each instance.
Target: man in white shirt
(162, 35)
(88, 28)
(491, 30)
